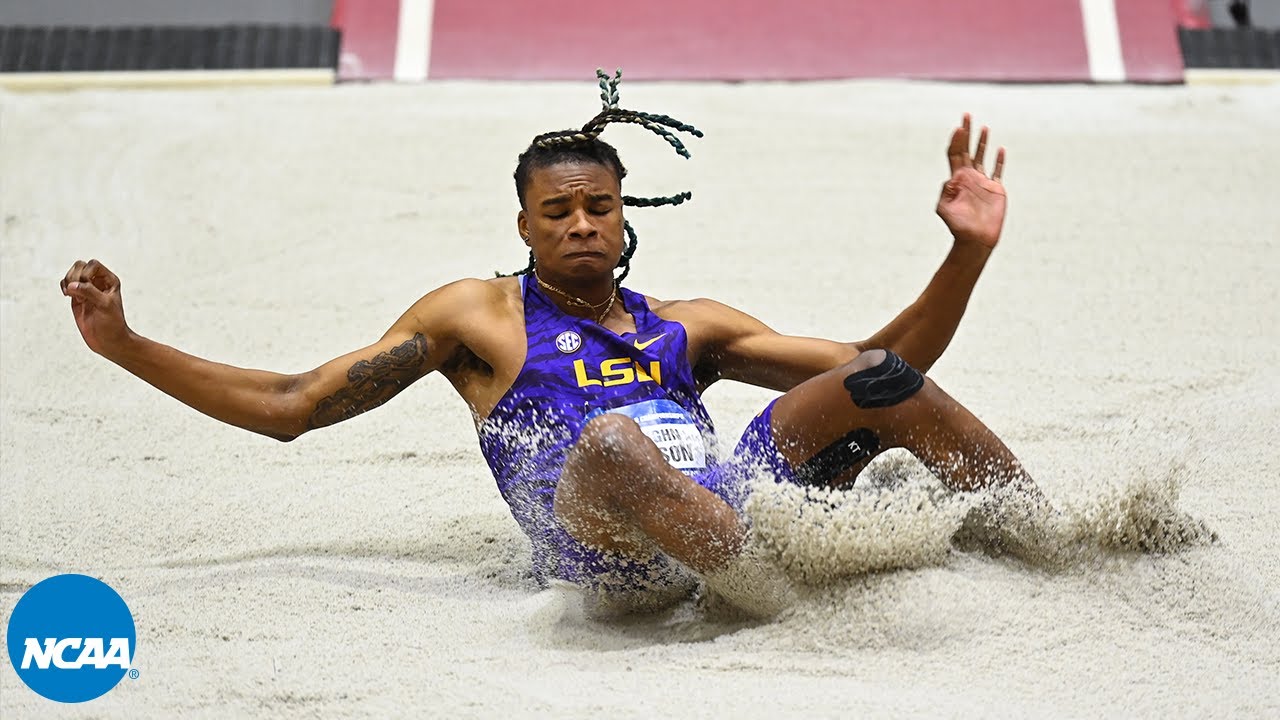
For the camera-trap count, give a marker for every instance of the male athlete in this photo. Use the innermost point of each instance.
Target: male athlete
(586, 395)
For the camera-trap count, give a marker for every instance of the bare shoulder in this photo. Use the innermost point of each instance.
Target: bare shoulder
(676, 309)
(463, 302)
(480, 317)
(704, 316)
(483, 291)
(476, 330)
(727, 343)
(508, 286)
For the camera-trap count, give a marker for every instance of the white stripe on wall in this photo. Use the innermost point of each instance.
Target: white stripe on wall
(413, 40)
(1102, 40)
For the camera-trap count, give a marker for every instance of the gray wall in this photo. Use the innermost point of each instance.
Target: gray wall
(106, 13)
(1265, 13)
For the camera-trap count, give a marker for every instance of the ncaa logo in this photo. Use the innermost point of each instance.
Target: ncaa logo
(71, 638)
(568, 341)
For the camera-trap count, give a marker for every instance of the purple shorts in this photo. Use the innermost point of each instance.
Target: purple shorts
(756, 454)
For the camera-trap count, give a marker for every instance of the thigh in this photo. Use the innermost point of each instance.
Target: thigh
(618, 494)
(831, 426)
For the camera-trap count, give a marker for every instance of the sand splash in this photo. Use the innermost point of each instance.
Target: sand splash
(899, 516)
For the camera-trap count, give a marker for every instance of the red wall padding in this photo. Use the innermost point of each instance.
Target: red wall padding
(1001, 40)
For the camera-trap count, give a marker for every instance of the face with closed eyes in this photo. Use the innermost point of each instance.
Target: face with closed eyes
(572, 221)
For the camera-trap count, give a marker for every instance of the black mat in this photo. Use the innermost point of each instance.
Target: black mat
(230, 47)
(1234, 48)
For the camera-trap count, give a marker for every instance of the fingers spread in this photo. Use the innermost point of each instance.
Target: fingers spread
(955, 152)
(981, 151)
(958, 150)
(995, 175)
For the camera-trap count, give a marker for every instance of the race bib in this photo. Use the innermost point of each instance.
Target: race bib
(671, 428)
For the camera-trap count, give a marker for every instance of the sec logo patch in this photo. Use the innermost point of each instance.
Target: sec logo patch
(568, 342)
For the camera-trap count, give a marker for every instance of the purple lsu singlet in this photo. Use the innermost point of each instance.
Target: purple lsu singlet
(576, 369)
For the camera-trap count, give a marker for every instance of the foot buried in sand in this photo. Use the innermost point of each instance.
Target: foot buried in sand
(753, 583)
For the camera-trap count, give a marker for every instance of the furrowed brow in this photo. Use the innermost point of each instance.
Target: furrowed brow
(556, 200)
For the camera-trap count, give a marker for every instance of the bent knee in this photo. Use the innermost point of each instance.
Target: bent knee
(880, 378)
(866, 360)
(609, 450)
(610, 434)
(601, 467)
(613, 457)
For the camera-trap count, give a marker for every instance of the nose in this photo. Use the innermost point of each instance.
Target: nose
(582, 228)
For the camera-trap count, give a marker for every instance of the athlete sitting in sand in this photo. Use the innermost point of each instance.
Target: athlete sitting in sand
(586, 395)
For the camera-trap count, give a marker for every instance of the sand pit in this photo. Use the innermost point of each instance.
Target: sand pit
(1123, 341)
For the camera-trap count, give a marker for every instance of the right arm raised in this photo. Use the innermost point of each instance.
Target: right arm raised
(273, 404)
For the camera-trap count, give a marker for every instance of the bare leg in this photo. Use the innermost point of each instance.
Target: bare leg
(961, 451)
(946, 437)
(618, 493)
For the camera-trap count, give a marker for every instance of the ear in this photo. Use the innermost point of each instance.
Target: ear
(522, 224)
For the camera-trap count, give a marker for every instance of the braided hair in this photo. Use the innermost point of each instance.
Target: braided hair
(585, 145)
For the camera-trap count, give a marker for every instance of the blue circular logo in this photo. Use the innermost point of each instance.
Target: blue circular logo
(568, 341)
(71, 638)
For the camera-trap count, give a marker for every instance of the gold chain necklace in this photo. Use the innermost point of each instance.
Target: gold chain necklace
(579, 302)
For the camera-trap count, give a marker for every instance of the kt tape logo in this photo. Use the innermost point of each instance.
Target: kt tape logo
(71, 638)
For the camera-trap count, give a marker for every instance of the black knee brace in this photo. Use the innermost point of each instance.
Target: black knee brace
(888, 383)
(839, 456)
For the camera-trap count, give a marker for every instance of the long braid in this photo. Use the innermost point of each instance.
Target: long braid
(525, 271)
(624, 262)
(676, 199)
(587, 136)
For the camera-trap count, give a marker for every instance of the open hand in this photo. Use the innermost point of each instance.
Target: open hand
(96, 305)
(972, 204)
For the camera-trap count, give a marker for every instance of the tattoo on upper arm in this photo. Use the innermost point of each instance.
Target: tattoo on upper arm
(372, 383)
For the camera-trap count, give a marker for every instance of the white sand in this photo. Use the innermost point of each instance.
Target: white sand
(1127, 332)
